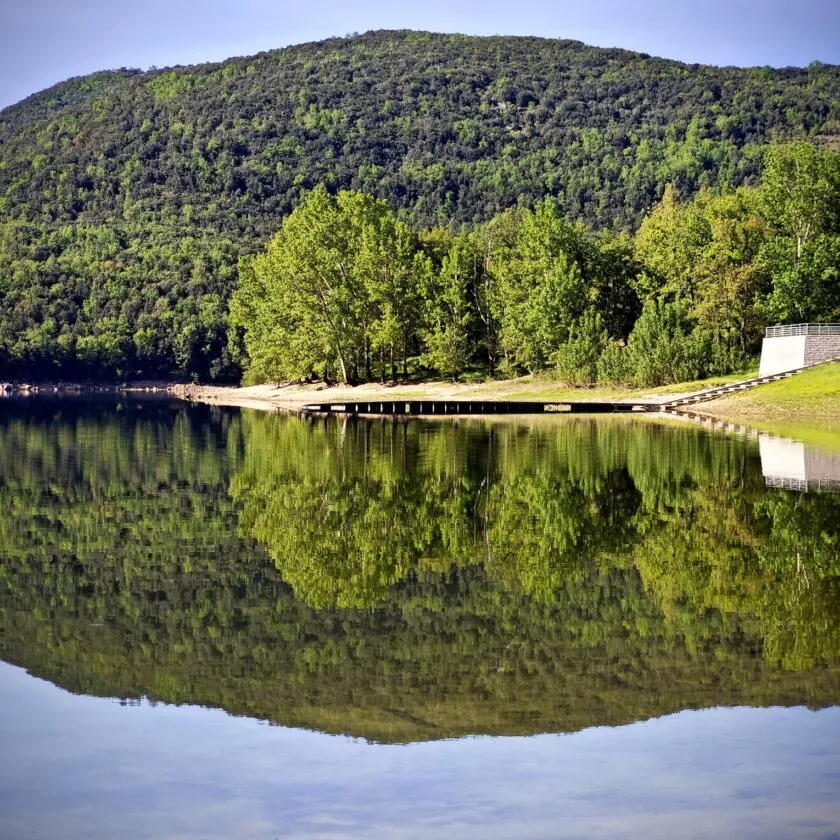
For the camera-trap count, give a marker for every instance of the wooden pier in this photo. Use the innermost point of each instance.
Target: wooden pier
(465, 408)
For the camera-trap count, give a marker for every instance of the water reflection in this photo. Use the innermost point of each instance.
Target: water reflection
(793, 465)
(79, 767)
(410, 581)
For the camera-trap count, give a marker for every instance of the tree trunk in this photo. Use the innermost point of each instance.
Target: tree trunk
(344, 377)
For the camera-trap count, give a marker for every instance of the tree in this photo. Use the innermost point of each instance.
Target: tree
(731, 277)
(800, 191)
(800, 188)
(391, 267)
(304, 282)
(669, 243)
(611, 272)
(541, 288)
(660, 345)
(577, 359)
(449, 310)
(336, 282)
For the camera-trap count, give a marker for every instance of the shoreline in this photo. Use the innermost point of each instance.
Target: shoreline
(291, 397)
(743, 409)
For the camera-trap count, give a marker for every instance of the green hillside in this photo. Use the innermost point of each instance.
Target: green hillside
(126, 197)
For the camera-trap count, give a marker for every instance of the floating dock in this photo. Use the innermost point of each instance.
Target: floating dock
(464, 408)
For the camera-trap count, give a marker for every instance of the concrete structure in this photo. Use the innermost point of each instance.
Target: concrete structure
(795, 346)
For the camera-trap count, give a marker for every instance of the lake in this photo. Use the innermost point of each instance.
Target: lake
(222, 623)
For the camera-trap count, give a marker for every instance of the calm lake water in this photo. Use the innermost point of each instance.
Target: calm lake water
(227, 624)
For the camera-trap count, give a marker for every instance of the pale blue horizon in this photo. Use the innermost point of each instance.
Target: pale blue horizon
(43, 42)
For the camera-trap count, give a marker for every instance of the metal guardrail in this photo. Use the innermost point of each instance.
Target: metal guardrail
(802, 329)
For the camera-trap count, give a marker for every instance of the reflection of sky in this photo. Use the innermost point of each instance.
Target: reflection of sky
(83, 767)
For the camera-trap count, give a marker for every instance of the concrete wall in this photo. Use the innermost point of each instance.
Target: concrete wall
(781, 354)
(795, 351)
(818, 348)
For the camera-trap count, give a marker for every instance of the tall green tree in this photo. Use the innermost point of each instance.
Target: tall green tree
(305, 280)
(392, 268)
(450, 312)
(335, 284)
(730, 274)
(541, 287)
(800, 190)
(669, 243)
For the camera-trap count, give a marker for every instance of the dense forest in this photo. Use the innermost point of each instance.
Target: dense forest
(346, 289)
(409, 581)
(127, 197)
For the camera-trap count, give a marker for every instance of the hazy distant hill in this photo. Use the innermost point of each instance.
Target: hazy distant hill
(146, 186)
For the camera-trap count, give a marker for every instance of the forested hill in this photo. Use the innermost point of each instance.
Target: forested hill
(463, 126)
(126, 197)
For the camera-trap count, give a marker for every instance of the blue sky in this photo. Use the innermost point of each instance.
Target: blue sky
(46, 41)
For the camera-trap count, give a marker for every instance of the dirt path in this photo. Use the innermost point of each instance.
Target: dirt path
(292, 397)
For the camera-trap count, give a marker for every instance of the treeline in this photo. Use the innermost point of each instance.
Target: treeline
(126, 197)
(103, 301)
(346, 290)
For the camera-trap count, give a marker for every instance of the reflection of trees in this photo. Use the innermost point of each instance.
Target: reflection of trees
(544, 530)
(489, 579)
(348, 509)
(772, 557)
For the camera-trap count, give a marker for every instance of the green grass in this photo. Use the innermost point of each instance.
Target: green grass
(809, 397)
(703, 384)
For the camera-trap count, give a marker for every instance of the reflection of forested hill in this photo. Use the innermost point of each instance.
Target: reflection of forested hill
(500, 580)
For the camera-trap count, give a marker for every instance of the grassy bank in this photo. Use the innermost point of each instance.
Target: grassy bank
(812, 398)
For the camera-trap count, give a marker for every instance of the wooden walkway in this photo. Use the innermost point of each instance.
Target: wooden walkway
(465, 408)
(461, 408)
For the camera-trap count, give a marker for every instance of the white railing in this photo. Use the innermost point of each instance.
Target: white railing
(802, 329)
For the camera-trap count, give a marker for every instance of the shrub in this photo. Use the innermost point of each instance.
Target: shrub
(661, 346)
(615, 365)
(577, 359)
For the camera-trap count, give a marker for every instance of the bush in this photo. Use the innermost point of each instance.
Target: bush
(716, 352)
(662, 349)
(577, 359)
(615, 365)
